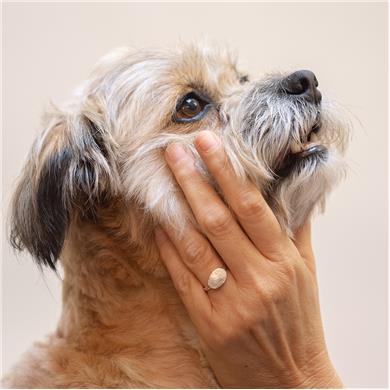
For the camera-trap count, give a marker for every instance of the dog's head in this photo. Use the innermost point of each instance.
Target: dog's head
(108, 142)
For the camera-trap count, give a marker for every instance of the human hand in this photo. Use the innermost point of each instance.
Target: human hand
(262, 328)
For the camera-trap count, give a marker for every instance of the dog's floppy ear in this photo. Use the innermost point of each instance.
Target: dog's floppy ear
(71, 165)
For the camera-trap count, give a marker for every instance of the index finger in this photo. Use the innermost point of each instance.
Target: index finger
(247, 202)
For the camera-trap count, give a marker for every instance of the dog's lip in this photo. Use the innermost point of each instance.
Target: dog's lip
(308, 149)
(309, 138)
(308, 145)
(294, 160)
(299, 151)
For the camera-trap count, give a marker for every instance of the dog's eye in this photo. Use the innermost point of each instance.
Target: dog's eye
(243, 79)
(191, 108)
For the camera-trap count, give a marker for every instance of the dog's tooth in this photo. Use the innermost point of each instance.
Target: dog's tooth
(295, 147)
(309, 145)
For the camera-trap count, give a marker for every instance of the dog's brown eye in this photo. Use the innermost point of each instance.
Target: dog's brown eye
(191, 108)
(243, 79)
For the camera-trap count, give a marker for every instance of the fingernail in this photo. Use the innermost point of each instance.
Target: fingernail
(160, 235)
(207, 141)
(176, 153)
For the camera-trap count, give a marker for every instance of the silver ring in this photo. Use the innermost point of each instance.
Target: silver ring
(216, 279)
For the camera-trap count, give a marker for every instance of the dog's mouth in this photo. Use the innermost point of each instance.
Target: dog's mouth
(309, 150)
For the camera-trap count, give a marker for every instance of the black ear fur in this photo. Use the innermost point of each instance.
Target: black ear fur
(78, 174)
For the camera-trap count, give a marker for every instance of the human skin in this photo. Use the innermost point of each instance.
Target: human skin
(262, 328)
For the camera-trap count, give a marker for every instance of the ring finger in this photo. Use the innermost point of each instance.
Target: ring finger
(200, 258)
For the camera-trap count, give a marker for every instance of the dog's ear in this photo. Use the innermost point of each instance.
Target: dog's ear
(71, 166)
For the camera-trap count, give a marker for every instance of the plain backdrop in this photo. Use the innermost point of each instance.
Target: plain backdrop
(48, 49)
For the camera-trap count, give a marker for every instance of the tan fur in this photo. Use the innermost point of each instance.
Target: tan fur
(122, 324)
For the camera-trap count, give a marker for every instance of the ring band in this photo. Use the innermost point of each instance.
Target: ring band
(216, 279)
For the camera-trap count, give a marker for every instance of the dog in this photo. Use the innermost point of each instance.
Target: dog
(96, 185)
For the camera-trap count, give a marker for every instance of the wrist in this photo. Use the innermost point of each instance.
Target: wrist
(321, 376)
(329, 380)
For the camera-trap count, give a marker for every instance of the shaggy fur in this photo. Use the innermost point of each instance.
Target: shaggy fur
(96, 184)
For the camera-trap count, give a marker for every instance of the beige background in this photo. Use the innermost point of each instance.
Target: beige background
(50, 48)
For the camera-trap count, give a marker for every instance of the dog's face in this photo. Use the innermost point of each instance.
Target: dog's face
(109, 140)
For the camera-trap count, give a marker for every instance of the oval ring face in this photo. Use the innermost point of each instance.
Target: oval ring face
(217, 278)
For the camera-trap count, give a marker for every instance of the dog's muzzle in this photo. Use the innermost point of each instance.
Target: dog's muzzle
(283, 122)
(304, 85)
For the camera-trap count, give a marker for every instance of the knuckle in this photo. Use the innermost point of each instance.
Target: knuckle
(249, 206)
(188, 176)
(272, 294)
(256, 285)
(278, 253)
(232, 329)
(226, 336)
(184, 169)
(246, 317)
(217, 222)
(194, 251)
(289, 270)
(249, 320)
(286, 272)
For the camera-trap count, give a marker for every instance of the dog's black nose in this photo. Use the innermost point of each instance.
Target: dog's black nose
(303, 83)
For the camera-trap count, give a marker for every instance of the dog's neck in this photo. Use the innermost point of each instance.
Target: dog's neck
(120, 302)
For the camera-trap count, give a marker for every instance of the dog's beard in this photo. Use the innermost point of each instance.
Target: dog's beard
(290, 148)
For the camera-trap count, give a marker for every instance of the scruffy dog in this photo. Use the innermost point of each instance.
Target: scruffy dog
(96, 184)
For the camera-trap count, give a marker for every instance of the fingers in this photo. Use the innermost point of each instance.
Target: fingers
(196, 253)
(195, 299)
(254, 214)
(213, 216)
(302, 240)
